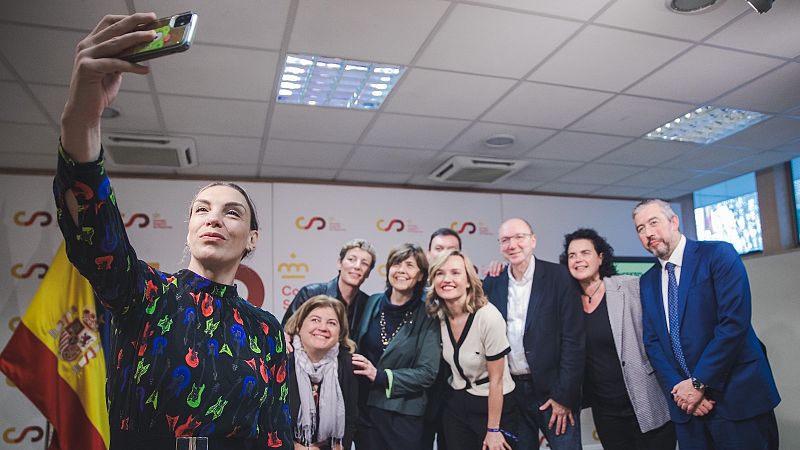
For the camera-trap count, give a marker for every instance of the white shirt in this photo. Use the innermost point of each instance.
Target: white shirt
(677, 259)
(519, 295)
(481, 340)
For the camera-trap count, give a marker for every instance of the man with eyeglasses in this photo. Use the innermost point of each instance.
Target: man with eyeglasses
(542, 308)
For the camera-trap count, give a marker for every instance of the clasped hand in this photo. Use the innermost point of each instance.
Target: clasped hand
(691, 400)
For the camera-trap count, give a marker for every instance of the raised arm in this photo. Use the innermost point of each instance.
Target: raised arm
(96, 78)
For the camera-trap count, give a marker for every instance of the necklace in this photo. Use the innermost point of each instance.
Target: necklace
(589, 296)
(385, 339)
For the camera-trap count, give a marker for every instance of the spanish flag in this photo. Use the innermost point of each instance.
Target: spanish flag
(55, 358)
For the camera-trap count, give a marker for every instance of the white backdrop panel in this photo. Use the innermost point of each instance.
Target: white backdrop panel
(553, 217)
(312, 222)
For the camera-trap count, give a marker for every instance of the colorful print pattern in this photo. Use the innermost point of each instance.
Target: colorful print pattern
(191, 357)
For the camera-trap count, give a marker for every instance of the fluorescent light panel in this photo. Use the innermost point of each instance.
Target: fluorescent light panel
(706, 124)
(340, 83)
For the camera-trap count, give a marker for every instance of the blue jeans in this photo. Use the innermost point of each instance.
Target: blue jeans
(530, 420)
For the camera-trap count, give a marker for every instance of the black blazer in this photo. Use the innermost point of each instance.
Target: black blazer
(554, 338)
(349, 385)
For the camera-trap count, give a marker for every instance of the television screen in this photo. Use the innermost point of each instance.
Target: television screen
(633, 265)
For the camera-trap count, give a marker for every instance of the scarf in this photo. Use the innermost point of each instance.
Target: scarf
(331, 414)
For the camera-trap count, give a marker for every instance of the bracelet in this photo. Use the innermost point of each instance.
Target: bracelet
(505, 433)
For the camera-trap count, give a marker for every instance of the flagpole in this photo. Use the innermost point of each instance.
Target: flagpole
(47, 435)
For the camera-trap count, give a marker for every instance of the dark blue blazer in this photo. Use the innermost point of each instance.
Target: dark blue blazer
(718, 340)
(554, 338)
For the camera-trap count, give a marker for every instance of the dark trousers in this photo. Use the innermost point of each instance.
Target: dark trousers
(431, 432)
(712, 432)
(435, 409)
(465, 420)
(532, 420)
(623, 433)
(387, 430)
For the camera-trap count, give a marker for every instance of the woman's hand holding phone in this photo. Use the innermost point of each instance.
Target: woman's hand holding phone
(96, 78)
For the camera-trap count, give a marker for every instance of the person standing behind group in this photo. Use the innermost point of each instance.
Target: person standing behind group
(398, 356)
(697, 332)
(191, 358)
(541, 305)
(441, 240)
(356, 261)
(479, 411)
(629, 409)
(323, 390)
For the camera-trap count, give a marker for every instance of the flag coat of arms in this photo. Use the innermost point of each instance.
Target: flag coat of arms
(55, 358)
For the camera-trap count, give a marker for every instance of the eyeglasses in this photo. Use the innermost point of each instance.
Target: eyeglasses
(517, 238)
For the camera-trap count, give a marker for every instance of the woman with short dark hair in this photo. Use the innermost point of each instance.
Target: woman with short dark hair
(398, 356)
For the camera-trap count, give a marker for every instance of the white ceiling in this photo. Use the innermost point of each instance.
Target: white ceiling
(577, 83)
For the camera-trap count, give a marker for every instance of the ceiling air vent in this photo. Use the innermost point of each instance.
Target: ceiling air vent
(467, 169)
(149, 150)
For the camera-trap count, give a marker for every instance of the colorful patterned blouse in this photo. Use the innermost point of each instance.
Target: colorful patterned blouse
(190, 357)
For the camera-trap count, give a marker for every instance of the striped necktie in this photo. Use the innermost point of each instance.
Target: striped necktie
(674, 323)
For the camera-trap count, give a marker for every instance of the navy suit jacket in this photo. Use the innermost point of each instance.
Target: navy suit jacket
(554, 338)
(718, 340)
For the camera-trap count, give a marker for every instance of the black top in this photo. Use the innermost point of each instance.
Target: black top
(371, 345)
(385, 326)
(190, 357)
(604, 386)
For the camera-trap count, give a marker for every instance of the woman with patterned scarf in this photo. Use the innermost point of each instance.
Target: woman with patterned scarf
(322, 389)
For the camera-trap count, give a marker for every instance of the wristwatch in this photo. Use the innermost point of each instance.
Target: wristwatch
(697, 384)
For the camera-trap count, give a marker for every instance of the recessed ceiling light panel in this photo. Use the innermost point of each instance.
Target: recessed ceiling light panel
(706, 124)
(321, 81)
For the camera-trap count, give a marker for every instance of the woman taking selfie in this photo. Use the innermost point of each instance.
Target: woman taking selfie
(474, 344)
(190, 357)
(398, 356)
(628, 406)
(323, 391)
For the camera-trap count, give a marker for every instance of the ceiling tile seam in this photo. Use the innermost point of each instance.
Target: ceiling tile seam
(436, 27)
(462, 72)
(630, 141)
(213, 97)
(753, 80)
(529, 12)
(238, 47)
(524, 78)
(27, 89)
(291, 17)
(694, 45)
(47, 27)
(745, 51)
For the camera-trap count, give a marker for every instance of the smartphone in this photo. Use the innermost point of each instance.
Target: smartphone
(173, 34)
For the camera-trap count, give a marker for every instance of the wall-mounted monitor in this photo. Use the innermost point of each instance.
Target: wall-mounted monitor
(634, 265)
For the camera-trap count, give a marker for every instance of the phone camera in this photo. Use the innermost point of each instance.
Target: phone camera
(183, 20)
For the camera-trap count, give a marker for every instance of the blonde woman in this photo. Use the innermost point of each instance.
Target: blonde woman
(477, 413)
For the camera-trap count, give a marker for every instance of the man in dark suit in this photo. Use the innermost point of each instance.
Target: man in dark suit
(698, 336)
(542, 308)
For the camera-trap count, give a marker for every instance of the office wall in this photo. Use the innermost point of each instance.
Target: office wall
(776, 311)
